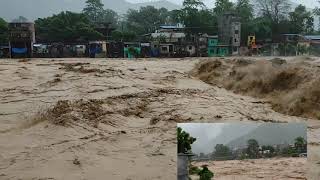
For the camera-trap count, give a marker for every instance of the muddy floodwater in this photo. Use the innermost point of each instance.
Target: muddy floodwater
(116, 119)
(276, 168)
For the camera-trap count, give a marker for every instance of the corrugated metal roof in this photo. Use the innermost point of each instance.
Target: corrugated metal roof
(313, 37)
(171, 27)
(291, 34)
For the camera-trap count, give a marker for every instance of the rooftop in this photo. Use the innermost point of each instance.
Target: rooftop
(312, 37)
(177, 26)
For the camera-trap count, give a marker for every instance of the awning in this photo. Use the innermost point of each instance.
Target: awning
(19, 50)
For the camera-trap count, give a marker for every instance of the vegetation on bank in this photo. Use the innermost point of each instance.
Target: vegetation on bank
(268, 21)
(254, 151)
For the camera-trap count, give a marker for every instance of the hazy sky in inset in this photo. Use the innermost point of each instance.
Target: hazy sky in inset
(210, 3)
(210, 134)
(204, 133)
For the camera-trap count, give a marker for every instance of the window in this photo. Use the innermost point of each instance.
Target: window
(235, 49)
(236, 31)
(164, 48)
(190, 47)
(170, 48)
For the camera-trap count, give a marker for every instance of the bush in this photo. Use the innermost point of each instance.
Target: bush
(184, 141)
(194, 170)
(205, 174)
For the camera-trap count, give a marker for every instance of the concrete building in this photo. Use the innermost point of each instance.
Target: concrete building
(170, 41)
(21, 39)
(229, 31)
(169, 34)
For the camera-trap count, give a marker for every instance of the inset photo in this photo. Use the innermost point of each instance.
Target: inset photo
(249, 151)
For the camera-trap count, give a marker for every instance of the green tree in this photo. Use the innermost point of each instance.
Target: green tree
(300, 145)
(66, 26)
(274, 12)
(3, 31)
(288, 151)
(274, 9)
(193, 4)
(316, 12)
(223, 6)
(301, 20)
(222, 151)
(184, 141)
(123, 36)
(146, 19)
(94, 10)
(110, 16)
(261, 27)
(245, 11)
(253, 148)
(270, 149)
(197, 18)
(174, 17)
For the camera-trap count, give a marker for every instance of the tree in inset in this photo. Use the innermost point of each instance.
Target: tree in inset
(184, 141)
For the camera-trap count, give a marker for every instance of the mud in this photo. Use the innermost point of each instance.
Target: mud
(117, 120)
(292, 88)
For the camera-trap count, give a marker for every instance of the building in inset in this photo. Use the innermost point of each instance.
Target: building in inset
(229, 32)
(21, 39)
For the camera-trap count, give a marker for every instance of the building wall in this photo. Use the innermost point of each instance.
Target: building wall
(191, 49)
(236, 33)
(169, 37)
(229, 30)
(22, 36)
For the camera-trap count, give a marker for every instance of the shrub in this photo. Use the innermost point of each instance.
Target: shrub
(205, 174)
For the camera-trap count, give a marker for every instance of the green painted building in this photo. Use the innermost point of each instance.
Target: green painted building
(132, 50)
(215, 49)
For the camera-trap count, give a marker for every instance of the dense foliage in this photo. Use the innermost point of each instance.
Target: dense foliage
(222, 152)
(147, 19)
(184, 141)
(205, 174)
(269, 19)
(66, 26)
(96, 13)
(253, 148)
(3, 31)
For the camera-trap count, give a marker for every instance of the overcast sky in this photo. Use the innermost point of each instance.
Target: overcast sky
(204, 133)
(210, 134)
(210, 3)
(207, 132)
